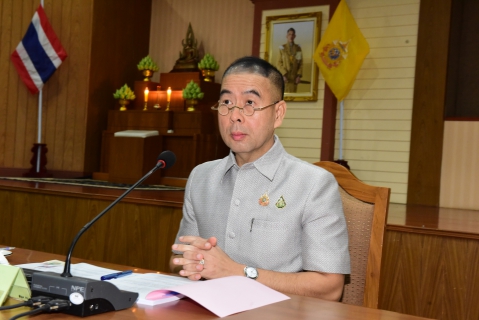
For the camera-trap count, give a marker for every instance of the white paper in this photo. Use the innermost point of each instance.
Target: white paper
(228, 295)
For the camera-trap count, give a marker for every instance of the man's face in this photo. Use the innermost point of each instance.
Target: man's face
(290, 36)
(249, 137)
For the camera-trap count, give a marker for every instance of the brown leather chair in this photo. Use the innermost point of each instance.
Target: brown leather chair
(365, 208)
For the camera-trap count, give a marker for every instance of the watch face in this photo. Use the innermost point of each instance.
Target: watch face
(251, 272)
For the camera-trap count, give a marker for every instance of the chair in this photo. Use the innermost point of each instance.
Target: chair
(365, 208)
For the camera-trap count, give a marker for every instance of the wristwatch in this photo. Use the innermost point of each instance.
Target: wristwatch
(251, 272)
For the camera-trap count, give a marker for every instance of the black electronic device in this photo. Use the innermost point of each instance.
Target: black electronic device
(90, 297)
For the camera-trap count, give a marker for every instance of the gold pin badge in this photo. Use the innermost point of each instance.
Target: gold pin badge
(264, 199)
(280, 204)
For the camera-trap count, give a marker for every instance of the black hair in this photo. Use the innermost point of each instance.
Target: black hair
(259, 66)
(291, 29)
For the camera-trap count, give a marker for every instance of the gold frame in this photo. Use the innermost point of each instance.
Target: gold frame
(300, 22)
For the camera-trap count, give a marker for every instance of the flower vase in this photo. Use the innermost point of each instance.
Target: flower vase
(123, 103)
(148, 74)
(191, 104)
(209, 75)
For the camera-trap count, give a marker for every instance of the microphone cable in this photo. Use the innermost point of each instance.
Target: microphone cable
(38, 310)
(32, 302)
(54, 305)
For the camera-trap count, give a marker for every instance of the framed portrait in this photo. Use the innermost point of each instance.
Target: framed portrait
(290, 44)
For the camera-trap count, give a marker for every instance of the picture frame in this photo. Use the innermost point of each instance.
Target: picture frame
(307, 32)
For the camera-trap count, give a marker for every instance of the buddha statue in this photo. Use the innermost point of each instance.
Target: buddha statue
(189, 58)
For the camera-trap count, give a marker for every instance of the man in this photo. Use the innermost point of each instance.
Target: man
(290, 62)
(261, 212)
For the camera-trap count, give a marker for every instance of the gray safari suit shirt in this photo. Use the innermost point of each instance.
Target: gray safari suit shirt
(277, 213)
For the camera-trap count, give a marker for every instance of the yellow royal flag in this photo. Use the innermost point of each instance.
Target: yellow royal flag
(341, 51)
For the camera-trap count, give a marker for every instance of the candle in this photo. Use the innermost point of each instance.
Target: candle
(146, 94)
(168, 94)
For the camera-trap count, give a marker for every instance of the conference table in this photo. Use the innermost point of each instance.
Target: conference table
(298, 307)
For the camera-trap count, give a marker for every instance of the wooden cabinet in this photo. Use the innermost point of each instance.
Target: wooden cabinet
(192, 135)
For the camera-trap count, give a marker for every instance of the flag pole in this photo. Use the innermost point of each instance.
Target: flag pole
(340, 160)
(341, 117)
(39, 133)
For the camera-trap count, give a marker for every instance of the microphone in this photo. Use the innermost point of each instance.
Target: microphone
(89, 296)
(166, 159)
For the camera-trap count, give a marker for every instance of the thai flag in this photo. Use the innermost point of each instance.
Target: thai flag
(39, 54)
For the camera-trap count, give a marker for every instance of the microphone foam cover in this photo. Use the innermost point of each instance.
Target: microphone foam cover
(168, 157)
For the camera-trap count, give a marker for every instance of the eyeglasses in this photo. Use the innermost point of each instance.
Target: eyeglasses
(248, 110)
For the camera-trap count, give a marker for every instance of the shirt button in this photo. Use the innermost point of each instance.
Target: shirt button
(237, 202)
(232, 235)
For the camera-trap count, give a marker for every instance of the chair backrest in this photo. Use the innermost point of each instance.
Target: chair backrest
(365, 208)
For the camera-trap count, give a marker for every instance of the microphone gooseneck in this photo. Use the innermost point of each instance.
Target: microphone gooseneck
(165, 160)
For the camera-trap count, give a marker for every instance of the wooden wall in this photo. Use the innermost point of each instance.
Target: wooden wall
(222, 28)
(63, 117)
(132, 233)
(430, 276)
(427, 128)
(460, 165)
(104, 40)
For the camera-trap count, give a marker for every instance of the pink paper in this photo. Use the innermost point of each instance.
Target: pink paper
(225, 296)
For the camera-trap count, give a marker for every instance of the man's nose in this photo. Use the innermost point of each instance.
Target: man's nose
(236, 114)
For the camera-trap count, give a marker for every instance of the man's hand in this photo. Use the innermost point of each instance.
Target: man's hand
(216, 263)
(285, 79)
(192, 255)
(298, 79)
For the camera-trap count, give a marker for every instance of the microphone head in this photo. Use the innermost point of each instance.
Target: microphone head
(168, 158)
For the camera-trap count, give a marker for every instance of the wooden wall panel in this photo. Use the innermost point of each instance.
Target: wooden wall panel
(460, 165)
(428, 113)
(139, 235)
(103, 47)
(430, 276)
(222, 28)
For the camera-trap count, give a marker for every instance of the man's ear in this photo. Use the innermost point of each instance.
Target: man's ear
(279, 113)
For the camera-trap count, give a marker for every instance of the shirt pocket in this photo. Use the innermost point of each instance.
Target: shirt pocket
(273, 244)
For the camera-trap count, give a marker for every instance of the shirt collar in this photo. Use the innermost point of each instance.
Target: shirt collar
(267, 165)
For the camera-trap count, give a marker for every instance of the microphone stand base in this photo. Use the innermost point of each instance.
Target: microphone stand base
(88, 297)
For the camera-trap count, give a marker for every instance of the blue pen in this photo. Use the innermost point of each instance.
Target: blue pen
(116, 275)
(7, 248)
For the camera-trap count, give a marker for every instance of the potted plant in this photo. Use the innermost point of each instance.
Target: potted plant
(148, 66)
(124, 96)
(192, 93)
(208, 65)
